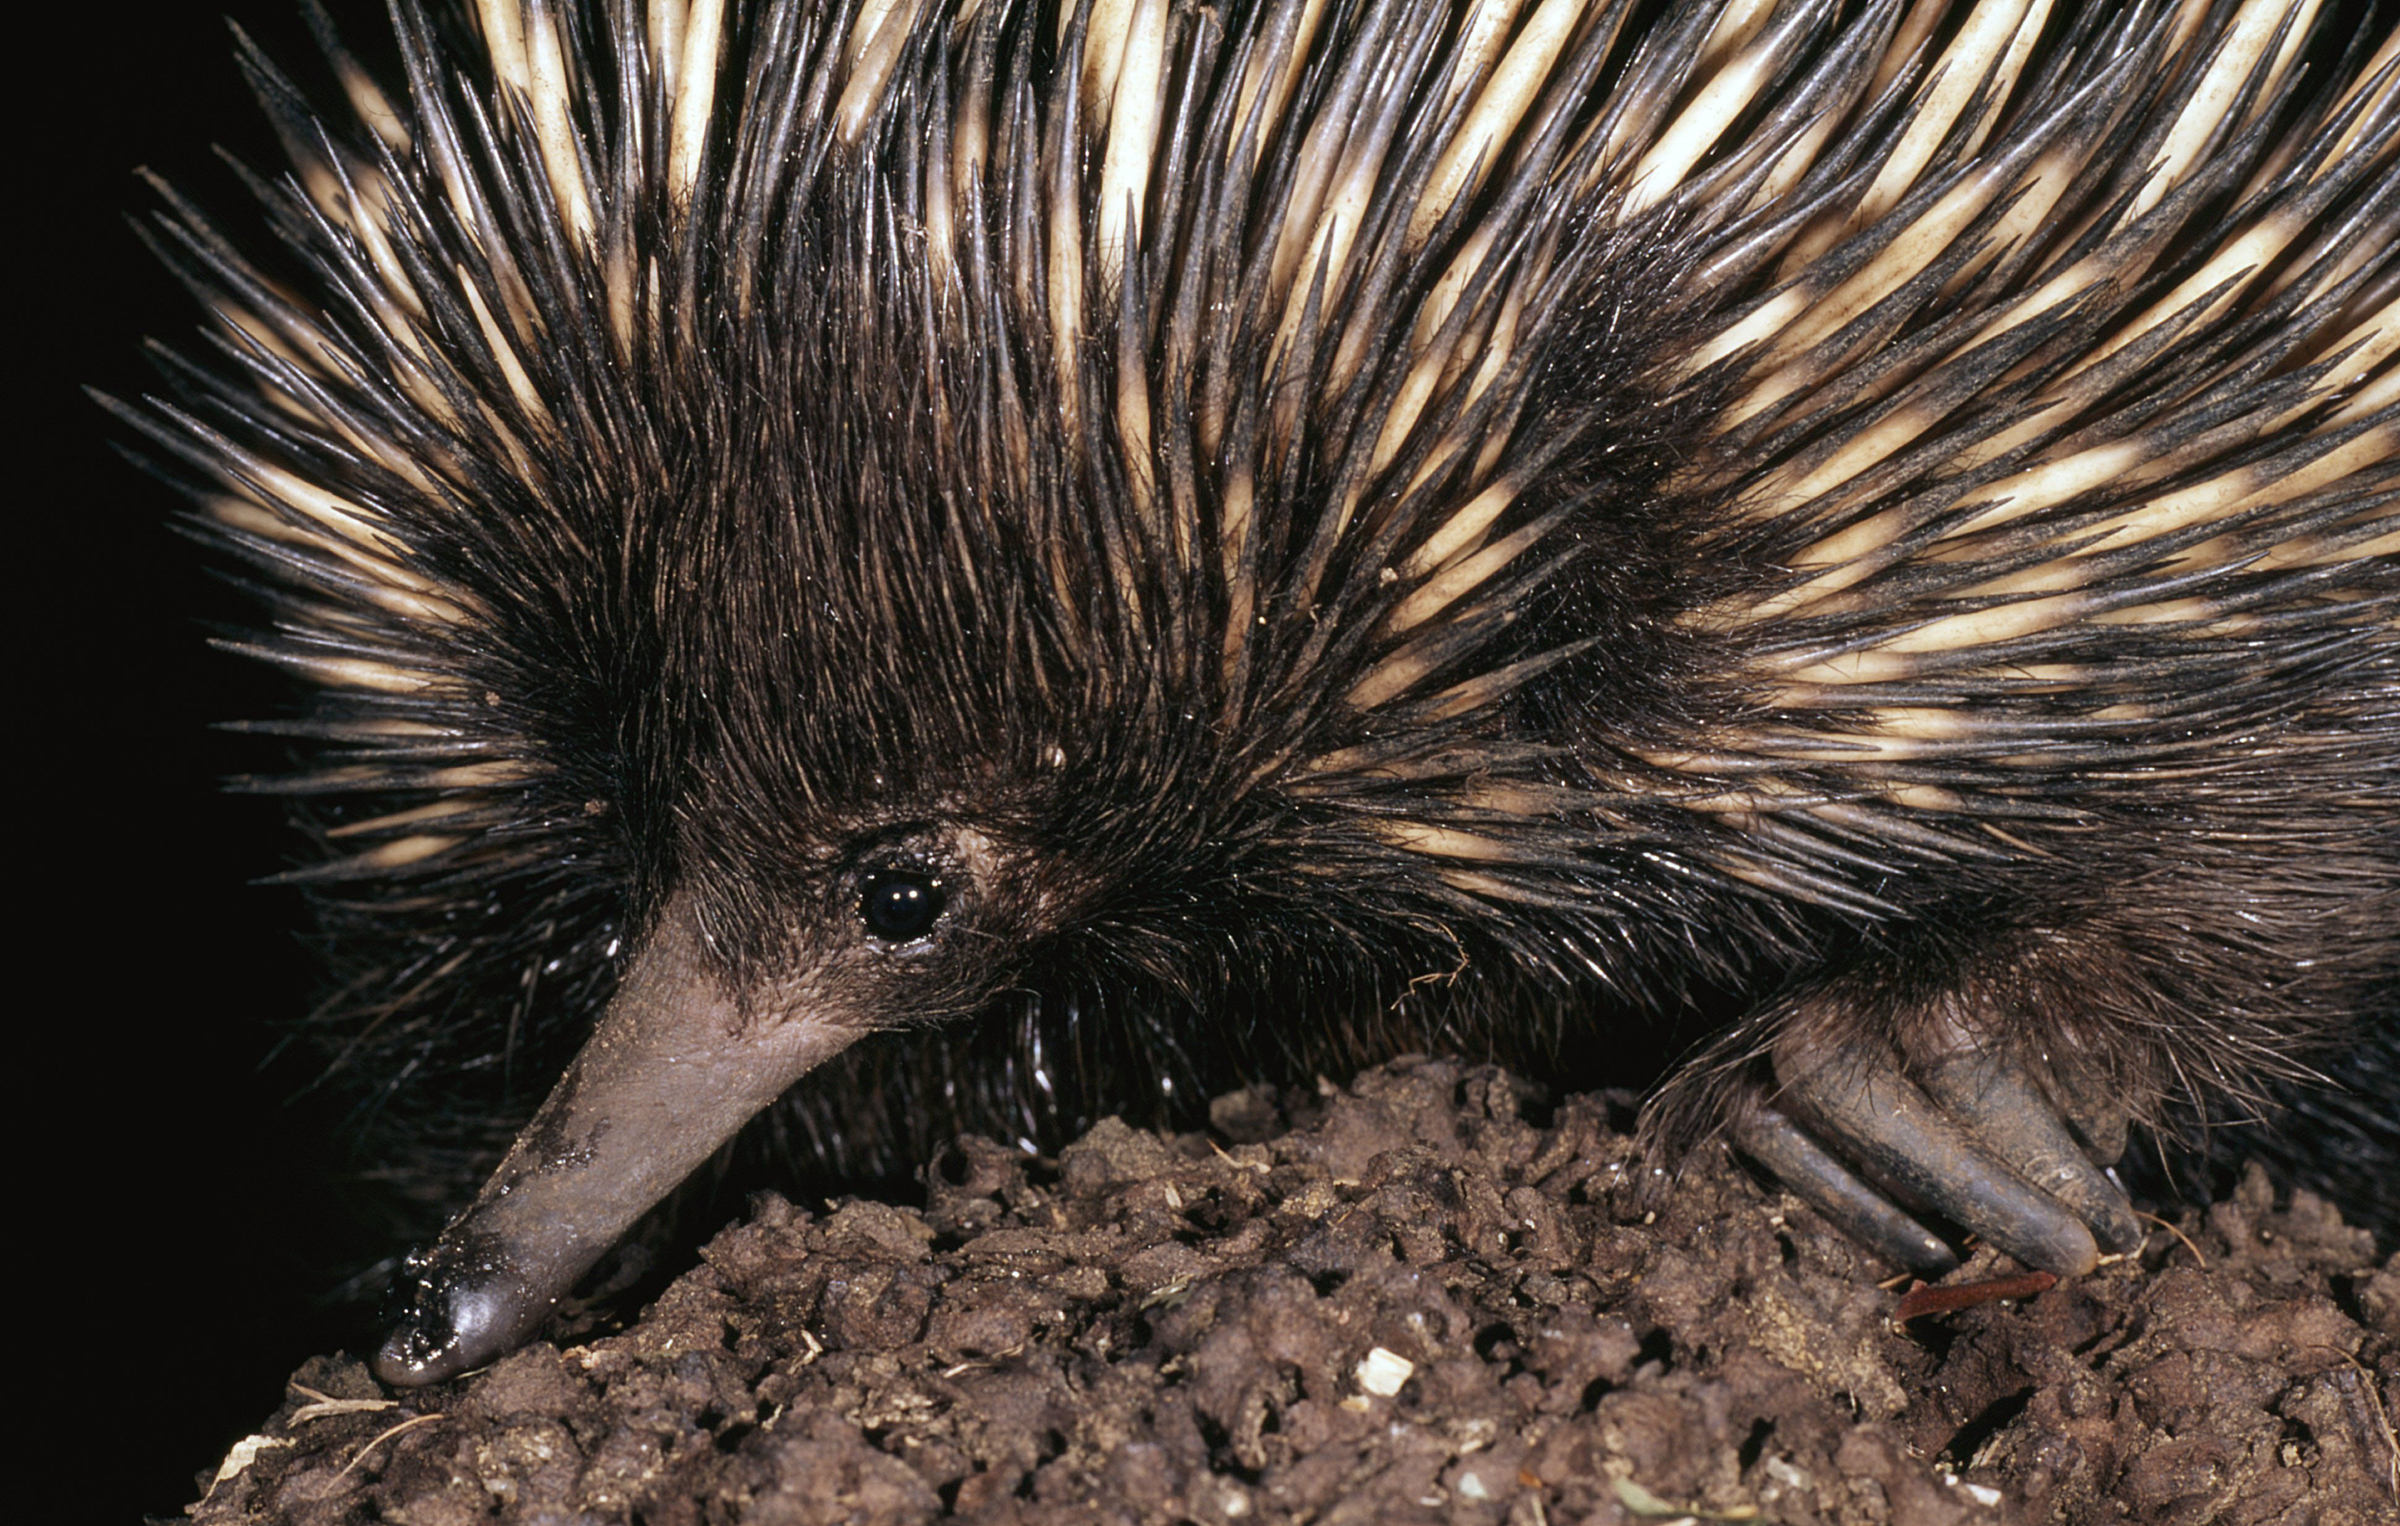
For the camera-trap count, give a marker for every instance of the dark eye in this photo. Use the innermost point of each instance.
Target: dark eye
(900, 906)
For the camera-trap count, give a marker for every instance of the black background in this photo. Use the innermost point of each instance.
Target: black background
(171, 1247)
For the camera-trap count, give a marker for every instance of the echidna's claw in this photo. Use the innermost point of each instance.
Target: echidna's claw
(2001, 1106)
(1866, 1215)
(1964, 1134)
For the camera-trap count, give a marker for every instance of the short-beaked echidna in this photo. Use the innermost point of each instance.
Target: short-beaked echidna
(1028, 558)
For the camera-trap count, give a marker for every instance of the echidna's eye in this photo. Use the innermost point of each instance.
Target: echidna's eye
(900, 906)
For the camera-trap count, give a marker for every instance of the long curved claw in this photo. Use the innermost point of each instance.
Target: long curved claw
(1876, 1117)
(1997, 1101)
(1855, 1208)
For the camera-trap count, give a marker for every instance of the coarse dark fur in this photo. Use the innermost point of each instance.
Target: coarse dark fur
(706, 539)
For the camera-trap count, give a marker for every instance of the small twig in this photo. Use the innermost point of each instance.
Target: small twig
(1239, 1165)
(2383, 1421)
(1932, 1300)
(2172, 1229)
(242, 1454)
(323, 1405)
(405, 1425)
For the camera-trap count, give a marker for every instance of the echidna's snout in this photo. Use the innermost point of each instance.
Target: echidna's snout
(677, 1066)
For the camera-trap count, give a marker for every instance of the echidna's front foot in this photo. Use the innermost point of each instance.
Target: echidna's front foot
(1964, 1132)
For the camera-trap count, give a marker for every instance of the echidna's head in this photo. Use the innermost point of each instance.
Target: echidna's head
(879, 635)
(883, 693)
(888, 758)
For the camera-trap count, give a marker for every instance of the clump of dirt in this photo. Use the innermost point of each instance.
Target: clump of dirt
(1419, 1298)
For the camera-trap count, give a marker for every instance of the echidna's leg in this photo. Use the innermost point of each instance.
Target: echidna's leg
(1964, 1132)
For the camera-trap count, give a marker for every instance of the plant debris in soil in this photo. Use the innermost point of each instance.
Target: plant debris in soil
(1417, 1298)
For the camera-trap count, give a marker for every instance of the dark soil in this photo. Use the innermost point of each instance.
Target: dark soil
(1416, 1299)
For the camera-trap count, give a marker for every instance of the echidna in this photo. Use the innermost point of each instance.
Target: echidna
(1115, 546)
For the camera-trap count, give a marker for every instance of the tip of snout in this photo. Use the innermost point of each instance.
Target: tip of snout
(414, 1355)
(457, 1311)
